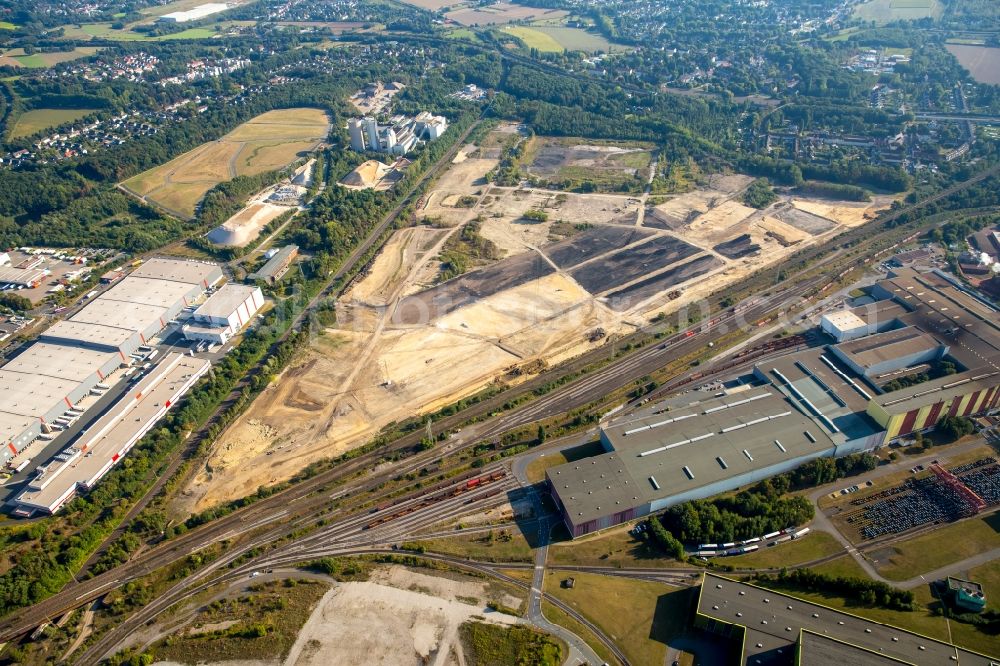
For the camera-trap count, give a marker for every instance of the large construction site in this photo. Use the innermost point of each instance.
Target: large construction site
(575, 271)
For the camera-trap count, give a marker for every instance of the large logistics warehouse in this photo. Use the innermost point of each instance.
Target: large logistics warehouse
(769, 627)
(224, 314)
(690, 449)
(51, 375)
(830, 401)
(102, 445)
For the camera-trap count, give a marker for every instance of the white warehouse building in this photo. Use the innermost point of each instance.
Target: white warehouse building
(224, 314)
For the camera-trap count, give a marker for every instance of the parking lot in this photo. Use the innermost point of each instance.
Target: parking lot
(35, 273)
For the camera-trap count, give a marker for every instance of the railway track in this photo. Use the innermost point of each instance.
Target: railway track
(286, 508)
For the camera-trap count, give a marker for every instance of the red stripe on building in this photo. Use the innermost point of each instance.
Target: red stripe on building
(955, 402)
(114, 458)
(971, 407)
(10, 445)
(68, 402)
(100, 375)
(908, 421)
(991, 395)
(122, 354)
(932, 416)
(167, 404)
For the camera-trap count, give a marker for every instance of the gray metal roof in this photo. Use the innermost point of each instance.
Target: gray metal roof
(148, 291)
(822, 650)
(659, 454)
(56, 361)
(87, 333)
(178, 270)
(874, 349)
(118, 314)
(774, 619)
(275, 263)
(225, 301)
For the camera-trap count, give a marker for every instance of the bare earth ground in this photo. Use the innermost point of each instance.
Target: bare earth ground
(246, 225)
(387, 623)
(404, 345)
(399, 616)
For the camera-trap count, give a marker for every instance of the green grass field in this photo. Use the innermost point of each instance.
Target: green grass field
(558, 616)
(18, 58)
(105, 31)
(615, 547)
(462, 33)
(790, 553)
(884, 11)
(555, 39)
(640, 616)
(511, 546)
(36, 120)
(533, 38)
(940, 547)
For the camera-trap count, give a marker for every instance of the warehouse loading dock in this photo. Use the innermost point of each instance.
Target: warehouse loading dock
(86, 461)
(53, 374)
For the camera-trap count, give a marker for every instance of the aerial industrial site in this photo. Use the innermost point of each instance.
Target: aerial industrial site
(492, 334)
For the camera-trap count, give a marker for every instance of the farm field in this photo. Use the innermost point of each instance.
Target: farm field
(434, 5)
(89, 31)
(36, 120)
(885, 11)
(502, 13)
(534, 38)
(983, 62)
(547, 38)
(593, 266)
(270, 141)
(17, 57)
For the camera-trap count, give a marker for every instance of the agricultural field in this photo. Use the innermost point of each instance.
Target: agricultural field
(18, 58)
(435, 5)
(270, 141)
(399, 616)
(501, 14)
(555, 39)
(88, 31)
(982, 62)
(886, 11)
(567, 272)
(31, 122)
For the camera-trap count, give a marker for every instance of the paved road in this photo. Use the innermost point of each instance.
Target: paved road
(822, 521)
